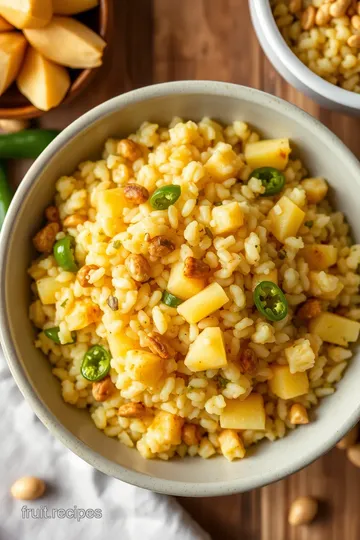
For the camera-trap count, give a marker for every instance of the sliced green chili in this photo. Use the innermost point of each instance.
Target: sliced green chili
(164, 197)
(170, 300)
(272, 179)
(53, 333)
(28, 143)
(96, 363)
(270, 301)
(5, 194)
(64, 253)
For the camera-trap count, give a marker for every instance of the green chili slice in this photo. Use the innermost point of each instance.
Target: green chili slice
(96, 363)
(53, 333)
(270, 301)
(170, 300)
(28, 143)
(164, 197)
(272, 179)
(64, 253)
(5, 194)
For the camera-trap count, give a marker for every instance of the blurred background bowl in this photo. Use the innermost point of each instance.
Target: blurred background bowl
(13, 105)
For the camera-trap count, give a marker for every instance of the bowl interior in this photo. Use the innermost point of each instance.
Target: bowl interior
(323, 154)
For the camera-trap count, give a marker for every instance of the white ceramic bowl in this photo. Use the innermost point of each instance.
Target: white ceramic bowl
(323, 154)
(292, 69)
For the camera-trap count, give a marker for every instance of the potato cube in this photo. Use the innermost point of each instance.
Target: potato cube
(335, 329)
(269, 153)
(144, 367)
(84, 312)
(164, 431)
(207, 351)
(231, 445)
(298, 414)
(223, 163)
(325, 286)
(181, 286)
(204, 303)
(319, 256)
(244, 414)
(228, 218)
(120, 344)
(286, 219)
(288, 385)
(315, 188)
(47, 288)
(110, 205)
(271, 276)
(300, 356)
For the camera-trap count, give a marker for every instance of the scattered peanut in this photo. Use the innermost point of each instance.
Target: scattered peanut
(138, 267)
(323, 15)
(295, 6)
(132, 410)
(248, 361)
(84, 274)
(160, 246)
(298, 414)
(136, 194)
(103, 389)
(73, 221)
(355, 21)
(349, 439)
(308, 18)
(28, 488)
(194, 268)
(156, 344)
(190, 434)
(354, 41)
(129, 149)
(52, 214)
(309, 310)
(353, 454)
(339, 8)
(302, 511)
(13, 126)
(45, 238)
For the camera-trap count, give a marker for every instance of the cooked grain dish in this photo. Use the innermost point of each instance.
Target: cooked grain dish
(195, 290)
(325, 35)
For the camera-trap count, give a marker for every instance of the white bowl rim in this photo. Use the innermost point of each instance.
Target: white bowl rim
(296, 67)
(106, 466)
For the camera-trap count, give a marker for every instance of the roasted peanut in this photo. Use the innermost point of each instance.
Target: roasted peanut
(52, 214)
(309, 310)
(307, 19)
(103, 389)
(353, 454)
(298, 414)
(355, 21)
(248, 361)
(28, 488)
(339, 8)
(13, 126)
(135, 193)
(160, 246)
(349, 439)
(74, 220)
(138, 267)
(84, 274)
(194, 268)
(156, 344)
(45, 238)
(295, 6)
(354, 41)
(190, 434)
(129, 149)
(303, 510)
(132, 410)
(323, 15)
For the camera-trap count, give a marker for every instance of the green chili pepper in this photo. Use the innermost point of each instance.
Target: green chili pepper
(28, 143)
(164, 197)
(53, 333)
(272, 179)
(270, 301)
(5, 194)
(170, 300)
(96, 363)
(64, 253)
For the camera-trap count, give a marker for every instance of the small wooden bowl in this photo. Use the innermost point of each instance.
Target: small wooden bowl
(14, 106)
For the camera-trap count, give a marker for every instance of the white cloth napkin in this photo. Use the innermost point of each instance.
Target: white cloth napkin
(28, 449)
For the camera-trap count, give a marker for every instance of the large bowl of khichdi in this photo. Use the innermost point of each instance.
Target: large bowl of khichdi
(180, 296)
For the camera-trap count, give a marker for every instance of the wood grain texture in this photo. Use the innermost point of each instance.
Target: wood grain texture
(163, 40)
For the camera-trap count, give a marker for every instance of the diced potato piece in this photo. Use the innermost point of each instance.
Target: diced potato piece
(319, 256)
(207, 351)
(325, 286)
(145, 367)
(84, 313)
(244, 414)
(120, 344)
(270, 153)
(12, 51)
(228, 218)
(207, 301)
(67, 42)
(286, 219)
(110, 205)
(27, 13)
(298, 414)
(5, 26)
(300, 356)
(231, 445)
(71, 7)
(181, 286)
(223, 164)
(335, 329)
(47, 288)
(315, 188)
(164, 431)
(44, 83)
(288, 385)
(271, 276)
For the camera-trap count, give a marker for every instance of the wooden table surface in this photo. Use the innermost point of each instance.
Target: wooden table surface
(165, 40)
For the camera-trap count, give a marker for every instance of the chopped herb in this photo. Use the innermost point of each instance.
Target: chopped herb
(116, 244)
(218, 203)
(221, 381)
(209, 233)
(64, 303)
(309, 224)
(282, 255)
(113, 303)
